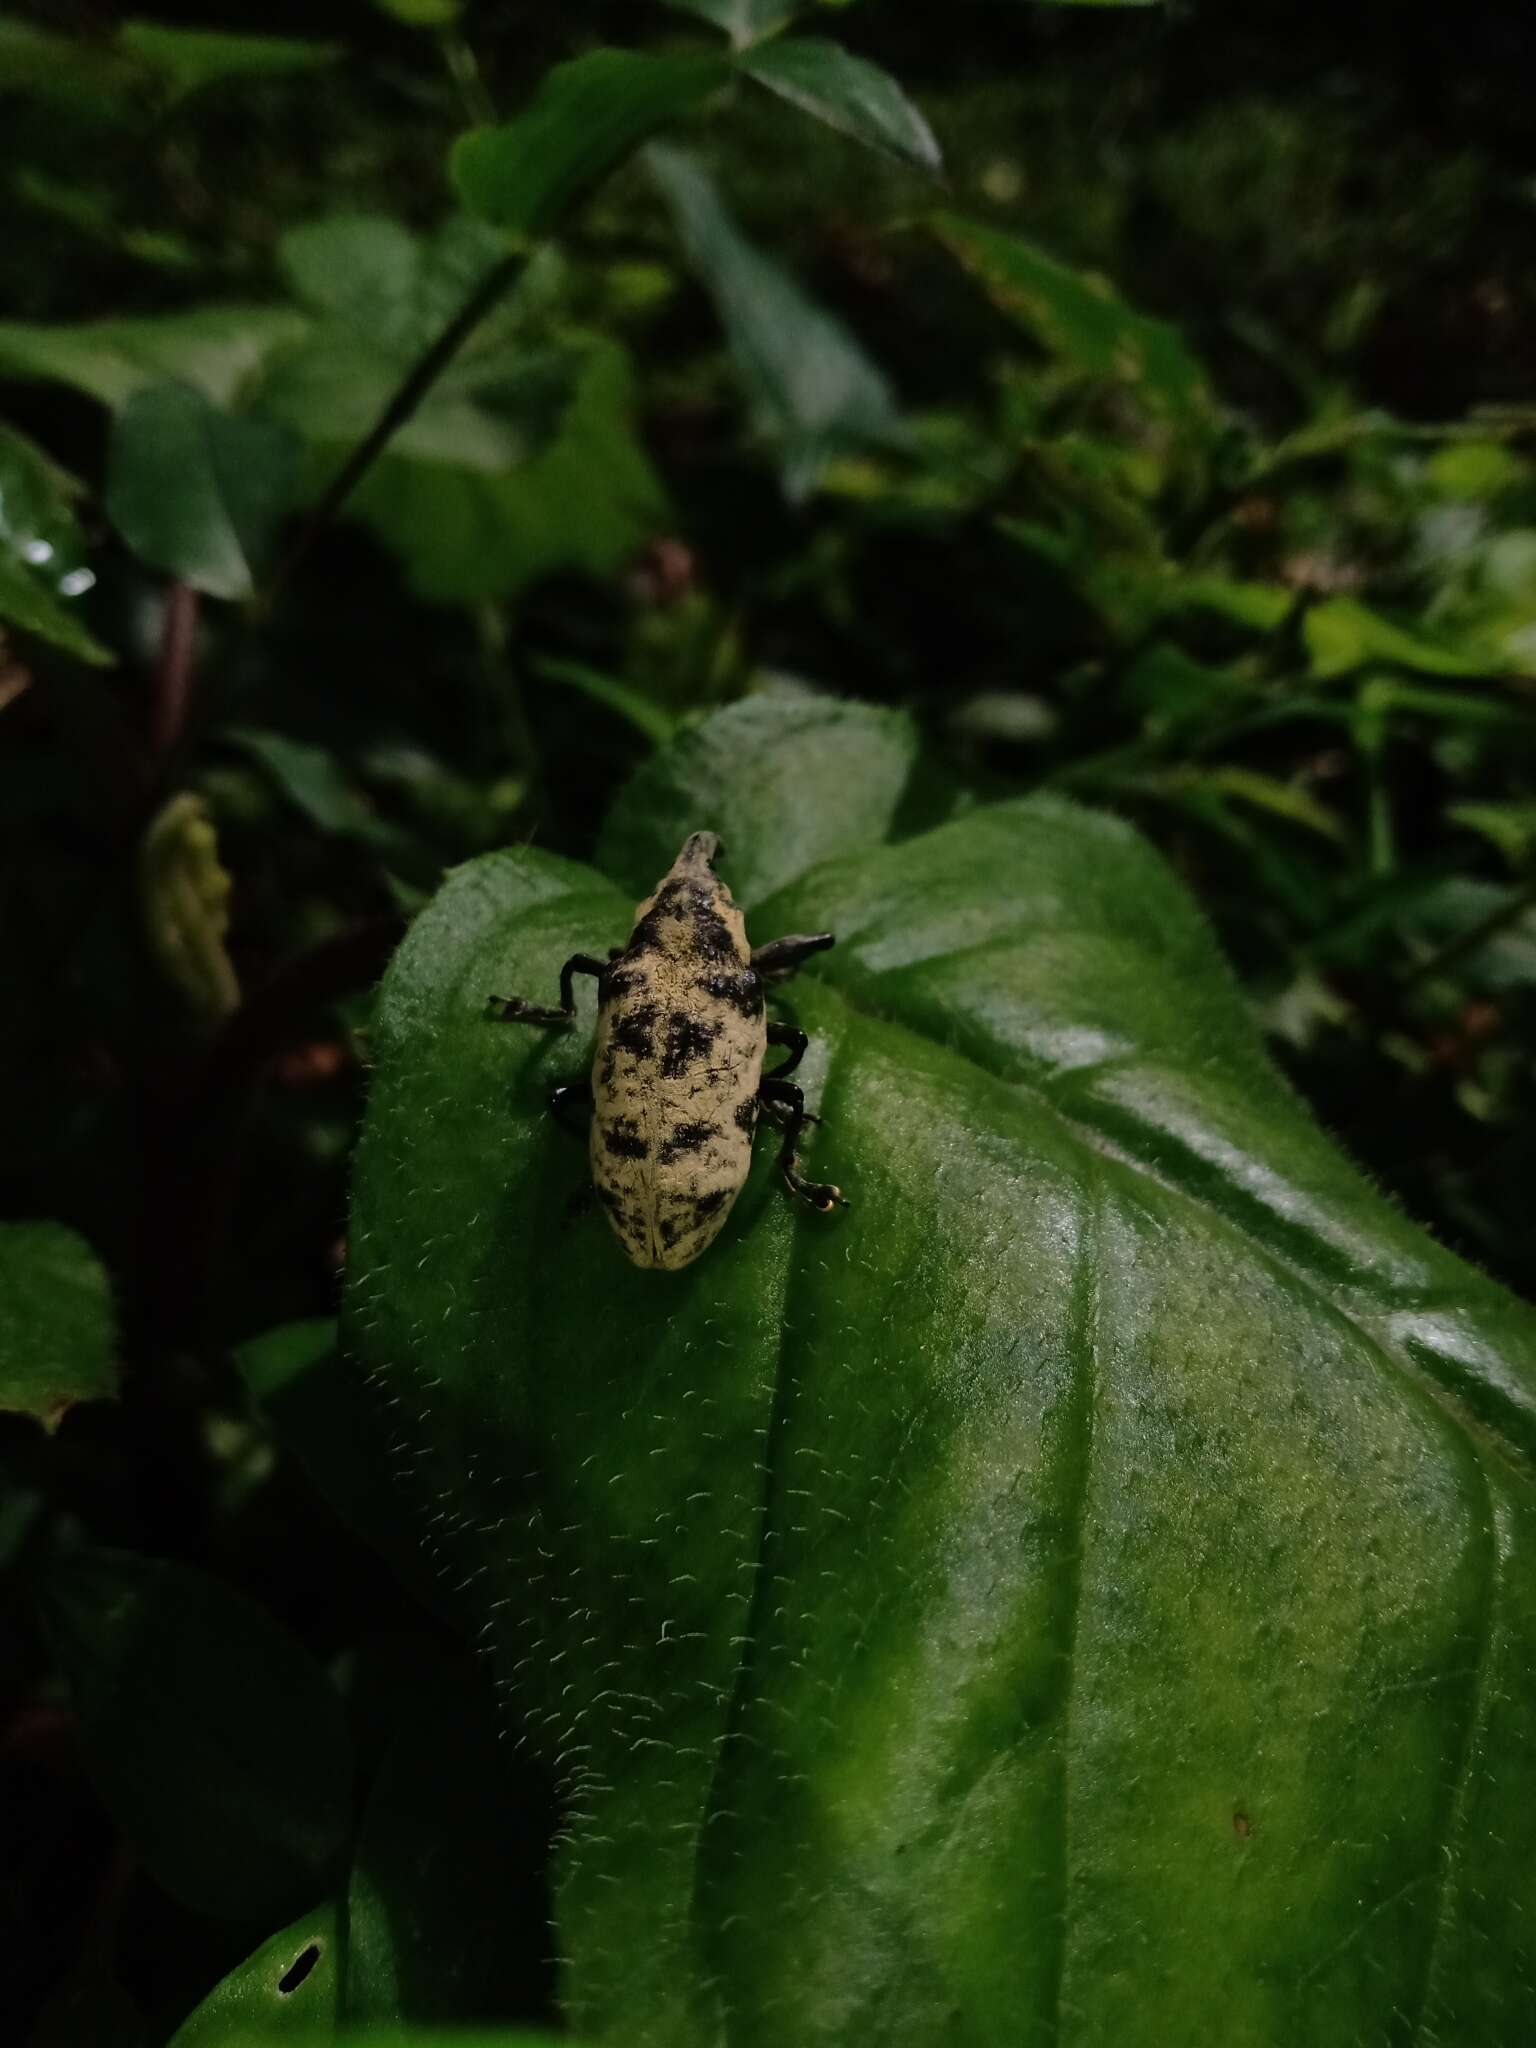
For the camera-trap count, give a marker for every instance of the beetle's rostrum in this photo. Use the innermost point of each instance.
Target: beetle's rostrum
(677, 1083)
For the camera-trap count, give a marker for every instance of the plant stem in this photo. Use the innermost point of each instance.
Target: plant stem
(173, 670)
(403, 403)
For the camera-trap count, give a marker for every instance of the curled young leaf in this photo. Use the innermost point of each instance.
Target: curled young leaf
(184, 895)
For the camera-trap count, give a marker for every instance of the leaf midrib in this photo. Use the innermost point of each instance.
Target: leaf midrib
(1475, 1433)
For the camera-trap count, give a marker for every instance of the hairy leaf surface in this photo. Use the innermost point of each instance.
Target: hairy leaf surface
(1083, 1593)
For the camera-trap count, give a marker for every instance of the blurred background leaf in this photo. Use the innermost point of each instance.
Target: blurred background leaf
(57, 1339)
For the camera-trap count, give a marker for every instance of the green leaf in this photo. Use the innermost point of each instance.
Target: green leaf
(1080, 317)
(289, 1989)
(1511, 827)
(642, 712)
(25, 603)
(146, 67)
(1267, 793)
(1264, 607)
(189, 60)
(217, 349)
(744, 21)
(1342, 635)
(813, 389)
(587, 117)
(197, 492)
(42, 554)
(384, 295)
(218, 1743)
(522, 459)
(1121, 1511)
(57, 1340)
(311, 780)
(421, 13)
(846, 92)
(586, 499)
(820, 780)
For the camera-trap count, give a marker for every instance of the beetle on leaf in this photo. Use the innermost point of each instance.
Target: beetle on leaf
(677, 1081)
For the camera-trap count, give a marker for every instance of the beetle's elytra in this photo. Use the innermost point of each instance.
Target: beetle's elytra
(677, 1081)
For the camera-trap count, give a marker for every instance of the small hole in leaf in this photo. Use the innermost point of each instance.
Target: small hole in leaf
(298, 1969)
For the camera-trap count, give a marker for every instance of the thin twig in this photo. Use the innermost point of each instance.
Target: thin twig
(406, 398)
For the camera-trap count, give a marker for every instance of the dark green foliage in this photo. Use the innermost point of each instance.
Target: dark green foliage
(218, 1743)
(961, 453)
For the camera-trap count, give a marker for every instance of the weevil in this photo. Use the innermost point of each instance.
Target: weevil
(677, 1082)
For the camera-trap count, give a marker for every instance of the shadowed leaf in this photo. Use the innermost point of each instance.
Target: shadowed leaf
(56, 1324)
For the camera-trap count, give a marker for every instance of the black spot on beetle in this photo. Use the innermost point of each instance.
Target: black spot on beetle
(711, 936)
(709, 1205)
(742, 990)
(618, 981)
(622, 1139)
(688, 1039)
(745, 1118)
(685, 1138)
(629, 1225)
(632, 1032)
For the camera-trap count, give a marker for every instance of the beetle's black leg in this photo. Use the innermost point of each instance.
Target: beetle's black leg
(513, 1009)
(567, 1103)
(780, 958)
(792, 1036)
(785, 1104)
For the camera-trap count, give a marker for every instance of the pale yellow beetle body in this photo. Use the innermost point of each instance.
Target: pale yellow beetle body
(677, 1073)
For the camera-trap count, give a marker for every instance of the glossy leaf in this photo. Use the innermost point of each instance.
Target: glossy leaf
(218, 1743)
(744, 21)
(1095, 1576)
(198, 492)
(814, 391)
(57, 1334)
(846, 92)
(42, 555)
(1079, 316)
(586, 118)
